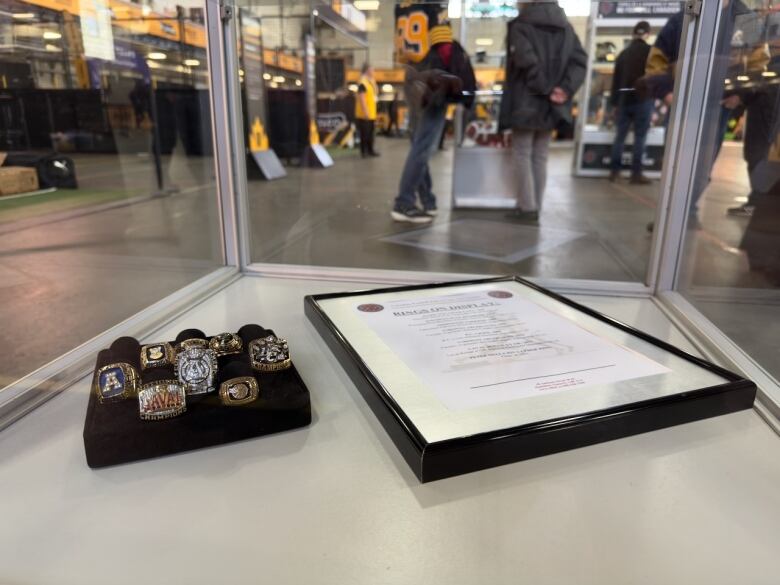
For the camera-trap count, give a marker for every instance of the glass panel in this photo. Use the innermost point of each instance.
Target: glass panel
(108, 183)
(492, 212)
(730, 267)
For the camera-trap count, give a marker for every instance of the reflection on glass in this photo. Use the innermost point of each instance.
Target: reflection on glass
(441, 194)
(108, 199)
(731, 260)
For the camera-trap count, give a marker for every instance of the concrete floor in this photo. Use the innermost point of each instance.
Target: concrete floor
(73, 267)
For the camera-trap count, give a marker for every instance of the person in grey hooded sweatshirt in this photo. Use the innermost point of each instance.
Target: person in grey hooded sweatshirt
(545, 66)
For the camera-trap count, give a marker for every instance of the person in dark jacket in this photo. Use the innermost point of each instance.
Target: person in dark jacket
(545, 66)
(634, 108)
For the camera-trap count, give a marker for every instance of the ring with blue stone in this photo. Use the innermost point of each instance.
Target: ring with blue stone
(115, 382)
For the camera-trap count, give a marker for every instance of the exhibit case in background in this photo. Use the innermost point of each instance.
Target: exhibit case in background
(192, 234)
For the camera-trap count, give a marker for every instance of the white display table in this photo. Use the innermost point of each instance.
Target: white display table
(336, 504)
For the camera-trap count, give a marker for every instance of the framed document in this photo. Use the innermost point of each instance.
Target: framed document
(469, 375)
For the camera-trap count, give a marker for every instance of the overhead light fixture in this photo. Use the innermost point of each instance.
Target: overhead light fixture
(156, 56)
(353, 87)
(610, 57)
(274, 84)
(278, 79)
(152, 64)
(298, 82)
(769, 74)
(387, 88)
(23, 15)
(497, 87)
(146, 10)
(191, 62)
(241, 72)
(366, 5)
(727, 81)
(53, 48)
(484, 42)
(743, 78)
(267, 76)
(52, 36)
(315, 12)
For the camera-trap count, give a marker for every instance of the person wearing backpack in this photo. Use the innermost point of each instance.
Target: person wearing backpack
(545, 66)
(438, 72)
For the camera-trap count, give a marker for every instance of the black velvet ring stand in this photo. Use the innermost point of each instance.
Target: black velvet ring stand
(114, 433)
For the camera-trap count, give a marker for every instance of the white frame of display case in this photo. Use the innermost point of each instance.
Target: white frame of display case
(661, 279)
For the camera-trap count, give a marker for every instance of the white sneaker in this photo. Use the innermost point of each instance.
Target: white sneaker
(413, 215)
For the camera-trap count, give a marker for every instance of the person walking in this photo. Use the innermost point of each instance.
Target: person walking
(365, 110)
(437, 72)
(633, 108)
(545, 66)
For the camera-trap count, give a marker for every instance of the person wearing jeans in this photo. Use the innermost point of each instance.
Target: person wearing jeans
(416, 175)
(638, 115)
(634, 108)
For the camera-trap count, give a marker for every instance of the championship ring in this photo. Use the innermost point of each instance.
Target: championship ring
(160, 400)
(226, 343)
(156, 355)
(269, 354)
(196, 368)
(238, 391)
(116, 382)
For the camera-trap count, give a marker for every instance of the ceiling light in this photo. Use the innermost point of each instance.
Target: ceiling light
(366, 5)
(241, 72)
(274, 84)
(298, 82)
(743, 78)
(157, 56)
(152, 64)
(52, 36)
(353, 87)
(387, 88)
(769, 74)
(497, 87)
(23, 15)
(267, 76)
(278, 79)
(484, 42)
(191, 62)
(53, 48)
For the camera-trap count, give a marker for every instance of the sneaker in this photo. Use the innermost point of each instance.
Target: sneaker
(639, 180)
(432, 211)
(741, 211)
(413, 215)
(525, 216)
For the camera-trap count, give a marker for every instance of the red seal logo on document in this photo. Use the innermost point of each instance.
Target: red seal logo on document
(500, 294)
(370, 308)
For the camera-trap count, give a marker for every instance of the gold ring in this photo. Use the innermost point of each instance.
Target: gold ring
(238, 391)
(155, 355)
(116, 382)
(161, 400)
(225, 344)
(269, 354)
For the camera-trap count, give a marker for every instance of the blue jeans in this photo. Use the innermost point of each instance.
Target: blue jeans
(705, 163)
(416, 176)
(639, 116)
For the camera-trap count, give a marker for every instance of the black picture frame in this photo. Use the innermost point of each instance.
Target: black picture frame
(437, 460)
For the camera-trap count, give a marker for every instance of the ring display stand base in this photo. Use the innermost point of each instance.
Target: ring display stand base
(115, 434)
